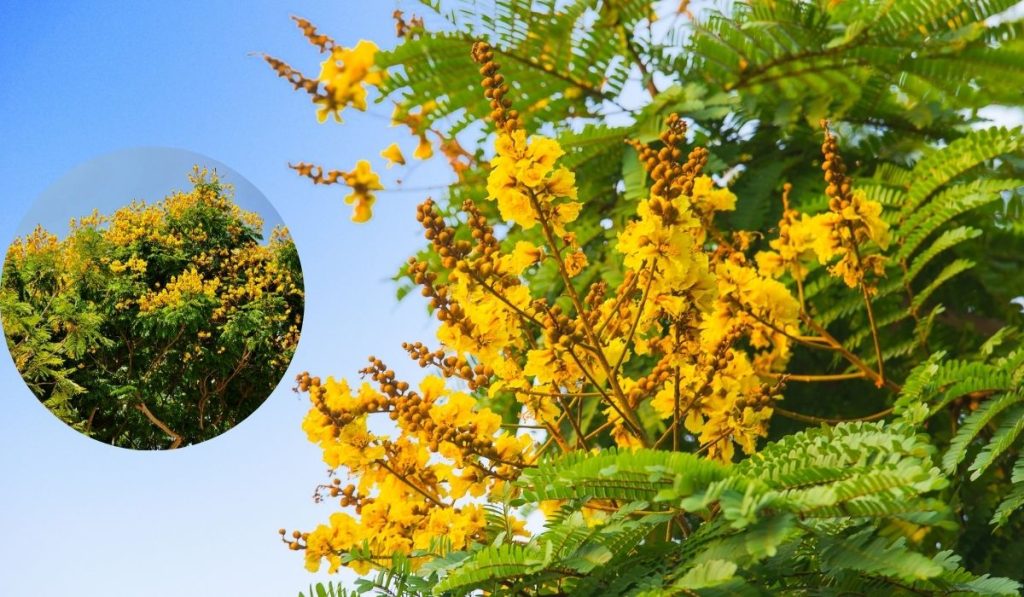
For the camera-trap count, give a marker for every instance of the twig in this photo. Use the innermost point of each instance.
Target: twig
(829, 421)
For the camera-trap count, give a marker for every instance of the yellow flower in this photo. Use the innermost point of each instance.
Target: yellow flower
(338, 97)
(424, 150)
(359, 62)
(344, 74)
(869, 213)
(524, 181)
(575, 262)
(523, 256)
(466, 524)
(707, 196)
(187, 285)
(393, 155)
(562, 183)
(363, 181)
(331, 541)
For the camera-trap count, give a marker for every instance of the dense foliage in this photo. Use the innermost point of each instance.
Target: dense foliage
(158, 326)
(647, 291)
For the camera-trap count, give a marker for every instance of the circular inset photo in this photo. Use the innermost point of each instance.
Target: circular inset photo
(153, 299)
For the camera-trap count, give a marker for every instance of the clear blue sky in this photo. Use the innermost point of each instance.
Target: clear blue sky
(84, 79)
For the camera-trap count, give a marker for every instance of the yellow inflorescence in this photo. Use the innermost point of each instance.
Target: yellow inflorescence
(231, 278)
(410, 489)
(132, 264)
(524, 180)
(179, 289)
(842, 232)
(678, 301)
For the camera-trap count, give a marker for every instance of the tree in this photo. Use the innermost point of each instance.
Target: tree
(158, 326)
(642, 308)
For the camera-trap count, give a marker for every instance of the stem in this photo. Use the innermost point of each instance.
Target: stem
(598, 431)
(645, 74)
(804, 340)
(708, 445)
(635, 430)
(549, 236)
(560, 394)
(675, 423)
(849, 356)
(639, 314)
(867, 303)
(813, 378)
(874, 334)
(557, 436)
(829, 421)
(575, 425)
(413, 486)
(548, 442)
(675, 413)
(618, 303)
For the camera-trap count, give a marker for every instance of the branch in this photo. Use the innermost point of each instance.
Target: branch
(627, 414)
(175, 438)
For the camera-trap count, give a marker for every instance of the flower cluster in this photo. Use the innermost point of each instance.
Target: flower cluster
(526, 184)
(180, 288)
(39, 241)
(132, 264)
(415, 121)
(362, 181)
(408, 490)
(842, 232)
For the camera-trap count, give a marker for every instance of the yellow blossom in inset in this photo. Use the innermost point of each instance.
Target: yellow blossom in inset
(188, 284)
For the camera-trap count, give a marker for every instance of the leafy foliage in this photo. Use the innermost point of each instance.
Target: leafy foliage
(327, 590)
(158, 326)
(829, 509)
(984, 401)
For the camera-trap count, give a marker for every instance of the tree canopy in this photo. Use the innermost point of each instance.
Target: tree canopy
(160, 325)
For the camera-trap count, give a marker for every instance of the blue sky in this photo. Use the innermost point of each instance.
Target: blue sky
(82, 80)
(108, 182)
